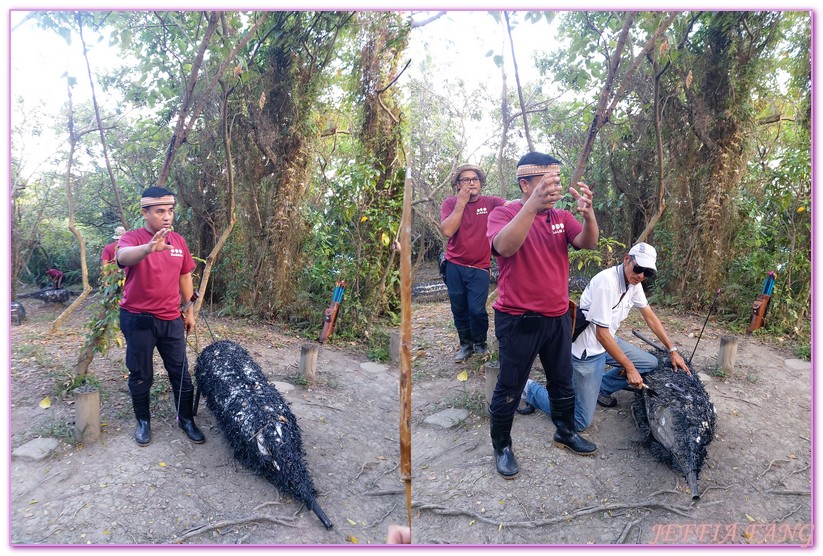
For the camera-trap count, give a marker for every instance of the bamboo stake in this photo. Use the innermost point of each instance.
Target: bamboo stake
(405, 342)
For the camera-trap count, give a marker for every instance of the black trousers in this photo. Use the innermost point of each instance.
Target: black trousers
(143, 333)
(520, 341)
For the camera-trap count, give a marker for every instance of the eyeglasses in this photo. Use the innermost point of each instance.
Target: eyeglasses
(647, 272)
(464, 181)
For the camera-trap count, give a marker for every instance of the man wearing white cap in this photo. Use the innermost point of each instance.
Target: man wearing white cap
(606, 302)
(109, 250)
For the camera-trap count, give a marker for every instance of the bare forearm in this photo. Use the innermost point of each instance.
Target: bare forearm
(129, 256)
(587, 239)
(610, 345)
(451, 224)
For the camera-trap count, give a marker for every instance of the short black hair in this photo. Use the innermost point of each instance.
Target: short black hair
(538, 159)
(156, 191)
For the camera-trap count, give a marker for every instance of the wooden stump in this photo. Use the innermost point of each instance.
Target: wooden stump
(86, 414)
(394, 346)
(492, 370)
(308, 362)
(728, 354)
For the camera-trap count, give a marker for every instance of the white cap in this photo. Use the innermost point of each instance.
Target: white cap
(119, 231)
(645, 255)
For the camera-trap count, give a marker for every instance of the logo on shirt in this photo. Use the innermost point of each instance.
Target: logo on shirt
(559, 228)
(176, 252)
(482, 210)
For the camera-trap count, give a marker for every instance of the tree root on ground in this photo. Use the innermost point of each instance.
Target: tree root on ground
(648, 504)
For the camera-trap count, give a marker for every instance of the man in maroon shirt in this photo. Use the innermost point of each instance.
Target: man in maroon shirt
(56, 278)
(530, 239)
(110, 249)
(468, 255)
(158, 269)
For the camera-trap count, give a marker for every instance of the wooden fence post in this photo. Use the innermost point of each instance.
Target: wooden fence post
(308, 362)
(492, 370)
(394, 346)
(86, 414)
(728, 354)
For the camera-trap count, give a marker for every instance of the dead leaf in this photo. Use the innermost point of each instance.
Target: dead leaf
(351, 522)
(463, 377)
(352, 539)
(45, 403)
(750, 518)
(162, 464)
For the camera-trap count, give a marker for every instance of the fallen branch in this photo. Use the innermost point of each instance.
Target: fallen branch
(230, 523)
(384, 492)
(363, 468)
(791, 513)
(770, 466)
(790, 492)
(738, 399)
(625, 533)
(385, 515)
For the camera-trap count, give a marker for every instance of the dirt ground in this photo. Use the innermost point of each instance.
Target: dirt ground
(172, 491)
(755, 486)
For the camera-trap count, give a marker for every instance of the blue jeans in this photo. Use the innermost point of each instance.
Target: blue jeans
(590, 379)
(468, 291)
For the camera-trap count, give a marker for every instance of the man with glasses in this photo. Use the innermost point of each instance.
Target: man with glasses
(606, 302)
(468, 258)
(531, 239)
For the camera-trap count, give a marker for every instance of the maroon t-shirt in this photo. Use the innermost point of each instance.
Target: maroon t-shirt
(153, 284)
(536, 277)
(469, 245)
(109, 252)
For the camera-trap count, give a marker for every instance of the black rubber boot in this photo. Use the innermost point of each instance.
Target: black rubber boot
(185, 419)
(566, 435)
(466, 348)
(500, 432)
(481, 349)
(142, 434)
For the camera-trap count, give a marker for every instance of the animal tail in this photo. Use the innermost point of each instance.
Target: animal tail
(691, 478)
(317, 510)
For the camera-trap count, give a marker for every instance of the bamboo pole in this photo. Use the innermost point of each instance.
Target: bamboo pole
(405, 342)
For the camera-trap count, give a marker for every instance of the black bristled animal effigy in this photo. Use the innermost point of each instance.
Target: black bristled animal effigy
(677, 422)
(256, 421)
(49, 295)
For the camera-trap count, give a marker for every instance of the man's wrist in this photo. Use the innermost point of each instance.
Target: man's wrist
(148, 248)
(672, 349)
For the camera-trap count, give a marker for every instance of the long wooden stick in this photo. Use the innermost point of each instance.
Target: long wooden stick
(405, 341)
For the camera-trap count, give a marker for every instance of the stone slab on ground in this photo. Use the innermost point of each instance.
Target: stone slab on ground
(447, 418)
(36, 450)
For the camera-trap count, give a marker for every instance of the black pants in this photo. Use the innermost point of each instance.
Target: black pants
(520, 342)
(143, 333)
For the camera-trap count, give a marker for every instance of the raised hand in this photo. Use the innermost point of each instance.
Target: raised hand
(584, 198)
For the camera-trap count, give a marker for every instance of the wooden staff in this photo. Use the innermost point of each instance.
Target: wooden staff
(405, 342)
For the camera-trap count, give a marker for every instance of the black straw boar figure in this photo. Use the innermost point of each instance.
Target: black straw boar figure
(256, 420)
(677, 421)
(50, 295)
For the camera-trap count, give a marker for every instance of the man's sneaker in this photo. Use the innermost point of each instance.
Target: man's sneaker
(525, 407)
(481, 349)
(606, 400)
(464, 353)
